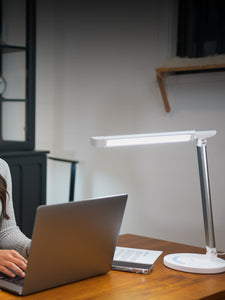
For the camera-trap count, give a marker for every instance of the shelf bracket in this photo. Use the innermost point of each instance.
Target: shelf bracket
(160, 76)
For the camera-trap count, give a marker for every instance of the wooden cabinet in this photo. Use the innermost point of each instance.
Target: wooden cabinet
(17, 109)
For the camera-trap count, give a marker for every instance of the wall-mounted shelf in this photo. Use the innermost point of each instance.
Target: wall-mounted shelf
(180, 65)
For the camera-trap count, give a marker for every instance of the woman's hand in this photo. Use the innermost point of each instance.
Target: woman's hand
(12, 263)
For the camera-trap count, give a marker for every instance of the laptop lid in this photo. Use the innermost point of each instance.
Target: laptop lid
(73, 241)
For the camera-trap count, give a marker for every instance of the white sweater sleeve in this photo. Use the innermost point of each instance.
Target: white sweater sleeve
(10, 235)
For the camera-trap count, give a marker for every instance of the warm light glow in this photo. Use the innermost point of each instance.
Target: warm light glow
(151, 138)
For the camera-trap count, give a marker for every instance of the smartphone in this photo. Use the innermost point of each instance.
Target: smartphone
(131, 267)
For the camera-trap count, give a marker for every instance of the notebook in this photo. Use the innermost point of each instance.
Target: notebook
(70, 242)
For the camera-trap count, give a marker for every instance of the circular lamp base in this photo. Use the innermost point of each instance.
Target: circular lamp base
(194, 263)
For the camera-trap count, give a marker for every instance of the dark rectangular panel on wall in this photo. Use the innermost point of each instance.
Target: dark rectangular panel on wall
(28, 170)
(201, 28)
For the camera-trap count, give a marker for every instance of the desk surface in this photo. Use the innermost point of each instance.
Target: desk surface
(161, 283)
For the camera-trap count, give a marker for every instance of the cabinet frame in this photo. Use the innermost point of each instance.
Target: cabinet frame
(30, 53)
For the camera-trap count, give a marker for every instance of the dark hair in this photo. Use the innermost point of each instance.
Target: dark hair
(3, 194)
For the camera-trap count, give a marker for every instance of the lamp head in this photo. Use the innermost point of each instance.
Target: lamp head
(150, 138)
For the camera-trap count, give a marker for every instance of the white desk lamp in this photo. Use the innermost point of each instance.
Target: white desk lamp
(207, 263)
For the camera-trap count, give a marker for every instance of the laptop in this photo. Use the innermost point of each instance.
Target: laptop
(70, 242)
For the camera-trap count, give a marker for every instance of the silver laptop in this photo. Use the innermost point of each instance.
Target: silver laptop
(71, 241)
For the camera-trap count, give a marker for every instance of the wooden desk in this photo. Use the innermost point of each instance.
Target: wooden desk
(162, 283)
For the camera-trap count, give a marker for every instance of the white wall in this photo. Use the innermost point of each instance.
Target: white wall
(96, 76)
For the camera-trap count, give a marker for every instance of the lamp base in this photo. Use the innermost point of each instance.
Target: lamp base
(194, 263)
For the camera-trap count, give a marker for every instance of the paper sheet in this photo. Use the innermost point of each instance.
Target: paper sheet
(136, 255)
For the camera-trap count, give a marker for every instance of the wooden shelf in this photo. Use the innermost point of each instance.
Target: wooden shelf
(180, 65)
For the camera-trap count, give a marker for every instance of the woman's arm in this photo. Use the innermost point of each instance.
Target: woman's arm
(10, 235)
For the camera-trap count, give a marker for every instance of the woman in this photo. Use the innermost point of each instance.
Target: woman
(14, 245)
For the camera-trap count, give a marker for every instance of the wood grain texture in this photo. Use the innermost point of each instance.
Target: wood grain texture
(162, 283)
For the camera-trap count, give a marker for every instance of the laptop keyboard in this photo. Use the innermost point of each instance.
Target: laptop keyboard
(16, 280)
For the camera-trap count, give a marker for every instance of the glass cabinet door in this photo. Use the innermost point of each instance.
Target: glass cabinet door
(17, 74)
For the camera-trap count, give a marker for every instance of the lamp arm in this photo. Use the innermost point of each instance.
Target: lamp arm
(206, 197)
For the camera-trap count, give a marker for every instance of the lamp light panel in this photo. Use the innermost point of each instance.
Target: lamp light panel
(151, 138)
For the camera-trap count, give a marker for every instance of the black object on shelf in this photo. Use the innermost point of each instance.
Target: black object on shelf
(201, 28)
